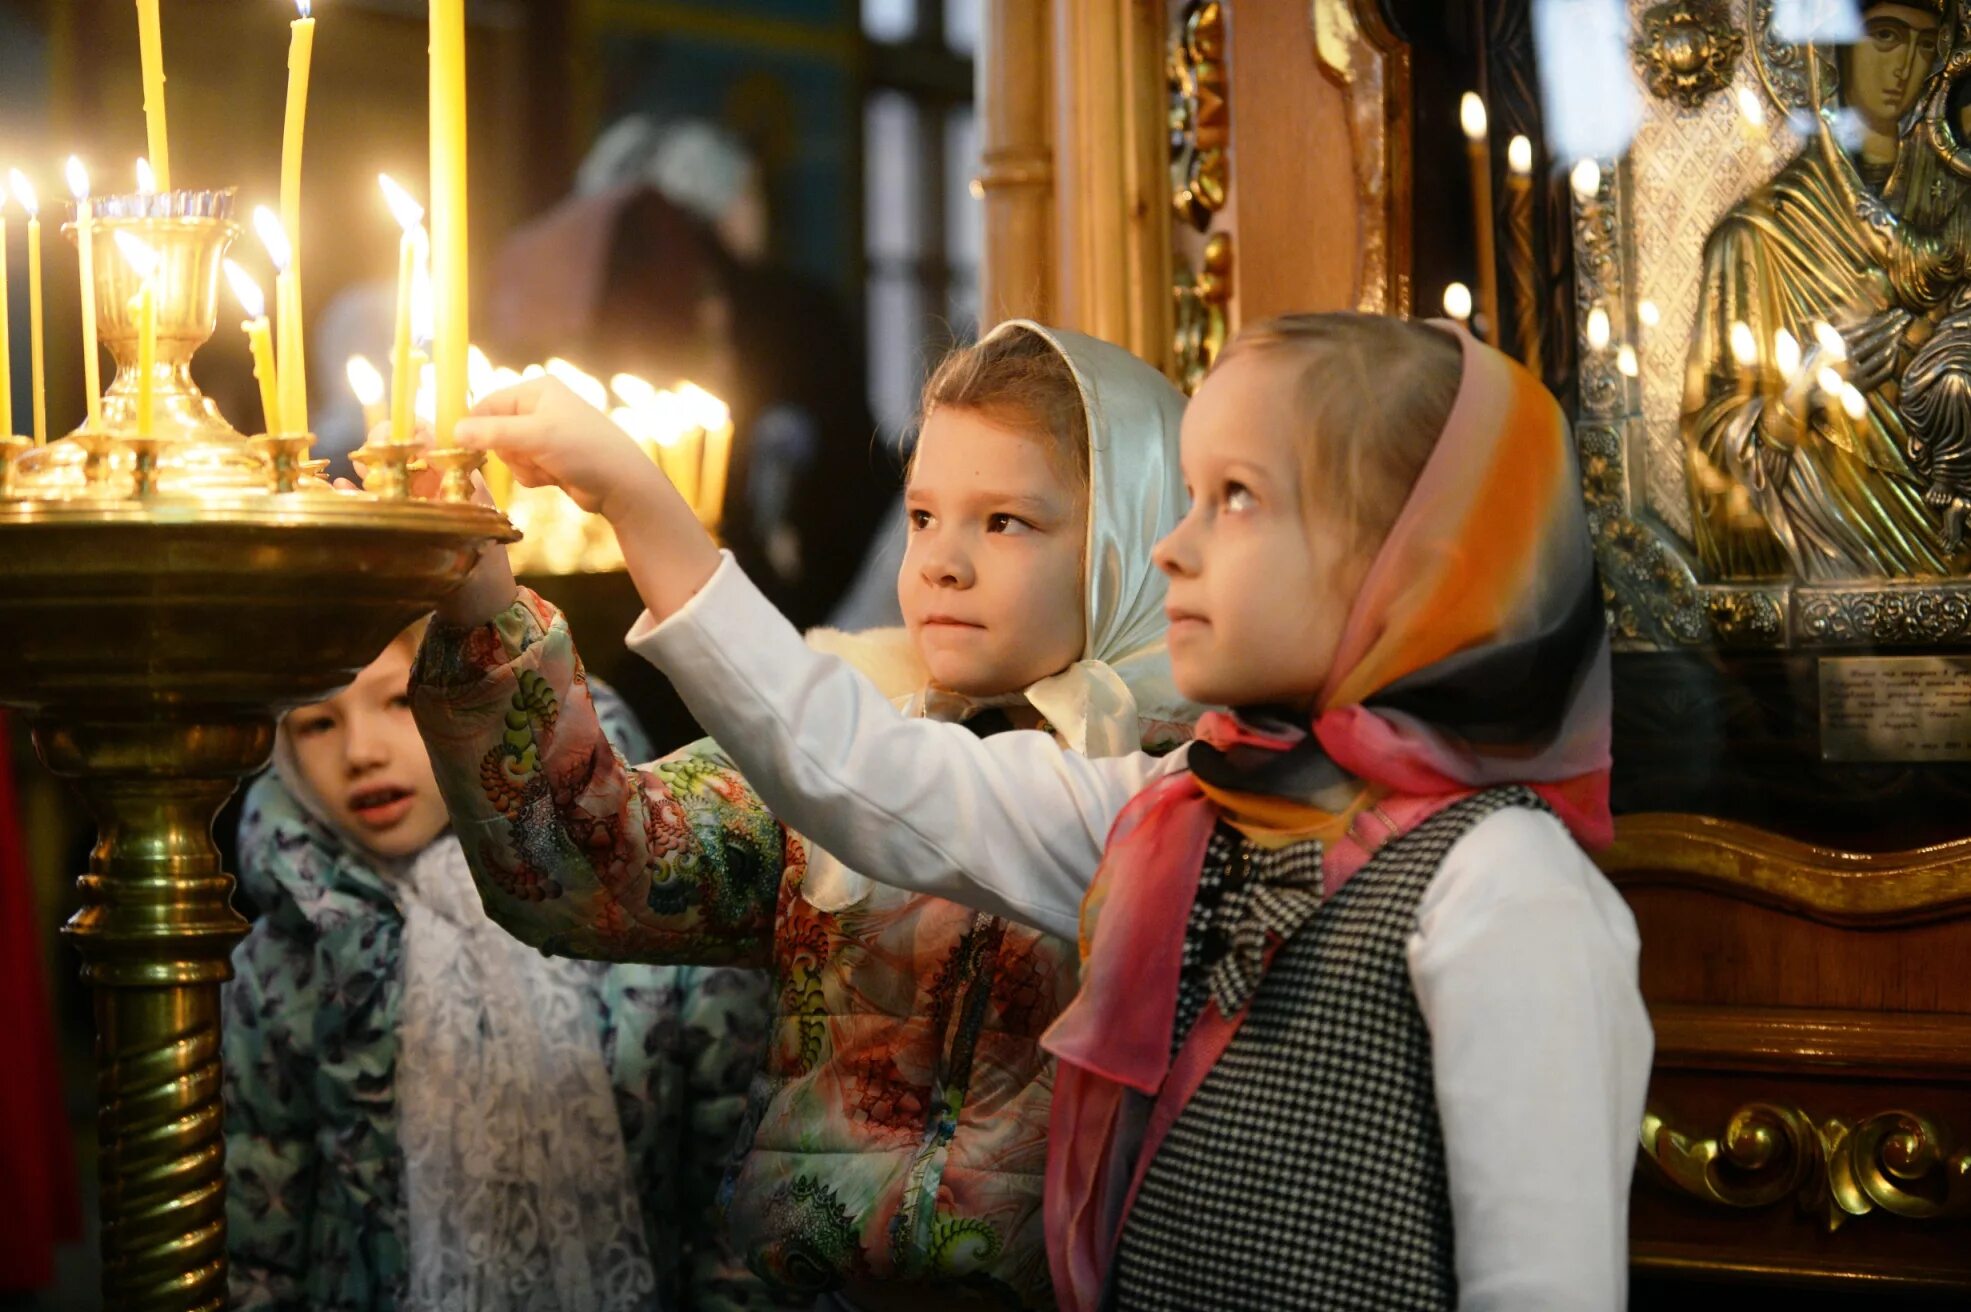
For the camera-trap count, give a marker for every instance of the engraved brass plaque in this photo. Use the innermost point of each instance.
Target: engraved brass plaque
(1895, 708)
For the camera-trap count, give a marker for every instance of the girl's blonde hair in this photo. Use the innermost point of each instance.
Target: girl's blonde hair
(1019, 379)
(1375, 393)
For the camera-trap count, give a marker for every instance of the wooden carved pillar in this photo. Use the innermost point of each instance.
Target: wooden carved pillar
(1017, 180)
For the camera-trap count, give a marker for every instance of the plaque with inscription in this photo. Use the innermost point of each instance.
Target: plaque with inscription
(1895, 708)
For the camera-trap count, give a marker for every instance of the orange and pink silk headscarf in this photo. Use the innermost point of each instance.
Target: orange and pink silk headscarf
(1475, 655)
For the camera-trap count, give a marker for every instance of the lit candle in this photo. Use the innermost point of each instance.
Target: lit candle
(150, 45)
(1457, 302)
(300, 57)
(713, 420)
(410, 262)
(1471, 115)
(1519, 255)
(146, 178)
(367, 384)
(260, 340)
(144, 260)
(580, 382)
(24, 193)
(451, 331)
(85, 249)
(6, 337)
(287, 321)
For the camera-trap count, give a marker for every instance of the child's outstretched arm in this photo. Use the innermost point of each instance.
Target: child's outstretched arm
(575, 851)
(1014, 824)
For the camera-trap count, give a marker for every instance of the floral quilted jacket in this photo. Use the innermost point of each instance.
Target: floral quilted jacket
(315, 1211)
(898, 1136)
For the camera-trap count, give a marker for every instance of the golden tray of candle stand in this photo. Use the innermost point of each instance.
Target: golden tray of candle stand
(164, 602)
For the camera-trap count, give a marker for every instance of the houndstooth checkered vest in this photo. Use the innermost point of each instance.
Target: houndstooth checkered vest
(1308, 1169)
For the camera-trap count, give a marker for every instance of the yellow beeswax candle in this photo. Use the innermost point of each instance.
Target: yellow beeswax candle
(410, 257)
(451, 329)
(144, 260)
(150, 46)
(6, 336)
(287, 323)
(300, 58)
(85, 250)
(259, 340)
(37, 345)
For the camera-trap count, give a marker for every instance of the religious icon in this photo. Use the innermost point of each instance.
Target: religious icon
(1833, 276)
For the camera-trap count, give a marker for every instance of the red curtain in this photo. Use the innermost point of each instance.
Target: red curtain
(37, 1159)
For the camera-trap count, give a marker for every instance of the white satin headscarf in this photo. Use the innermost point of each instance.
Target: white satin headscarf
(518, 1189)
(1098, 706)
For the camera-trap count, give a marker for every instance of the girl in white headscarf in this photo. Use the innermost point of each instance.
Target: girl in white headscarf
(420, 1111)
(898, 1144)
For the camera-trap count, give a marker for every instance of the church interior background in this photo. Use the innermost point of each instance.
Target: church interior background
(1778, 483)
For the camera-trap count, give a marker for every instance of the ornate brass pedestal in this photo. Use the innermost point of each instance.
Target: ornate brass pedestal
(164, 599)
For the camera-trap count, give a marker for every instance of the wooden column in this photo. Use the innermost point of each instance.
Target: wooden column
(1112, 213)
(1017, 178)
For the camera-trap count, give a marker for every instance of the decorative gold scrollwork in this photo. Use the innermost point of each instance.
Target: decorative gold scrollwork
(1686, 50)
(1200, 117)
(1203, 311)
(1897, 1161)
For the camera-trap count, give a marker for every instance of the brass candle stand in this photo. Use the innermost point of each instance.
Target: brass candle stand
(168, 596)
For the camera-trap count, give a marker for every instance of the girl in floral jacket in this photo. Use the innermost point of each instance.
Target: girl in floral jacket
(898, 1139)
(422, 1113)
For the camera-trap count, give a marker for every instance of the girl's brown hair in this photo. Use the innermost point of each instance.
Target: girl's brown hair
(1019, 379)
(1376, 393)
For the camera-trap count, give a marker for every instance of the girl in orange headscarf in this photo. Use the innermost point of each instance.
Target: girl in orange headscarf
(1359, 1024)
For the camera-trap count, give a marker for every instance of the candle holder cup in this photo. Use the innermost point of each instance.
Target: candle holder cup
(287, 460)
(456, 467)
(387, 468)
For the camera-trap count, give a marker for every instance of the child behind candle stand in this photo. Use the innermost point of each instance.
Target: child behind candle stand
(1359, 1024)
(421, 1112)
(899, 1141)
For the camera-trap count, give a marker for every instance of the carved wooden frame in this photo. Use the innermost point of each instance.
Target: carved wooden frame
(1363, 54)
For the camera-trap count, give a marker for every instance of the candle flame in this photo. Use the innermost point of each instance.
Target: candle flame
(1586, 180)
(531, 372)
(478, 373)
(1519, 156)
(274, 237)
(78, 179)
(1457, 301)
(1625, 360)
(1647, 314)
(140, 255)
(246, 291)
(1599, 329)
(1471, 116)
(705, 410)
(403, 208)
(637, 393)
(1853, 401)
(23, 192)
(365, 382)
(581, 383)
(1832, 344)
(146, 177)
(425, 407)
(1744, 346)
(307, 9)
(1786, 353)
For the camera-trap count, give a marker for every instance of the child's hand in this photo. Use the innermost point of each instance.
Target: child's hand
(547, 434)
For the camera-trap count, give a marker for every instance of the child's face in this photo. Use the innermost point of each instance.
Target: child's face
(1258, 593)
(360, 753)
(991, 584)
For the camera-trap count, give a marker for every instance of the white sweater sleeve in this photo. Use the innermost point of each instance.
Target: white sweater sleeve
(1524, 964)
(1013, 824)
